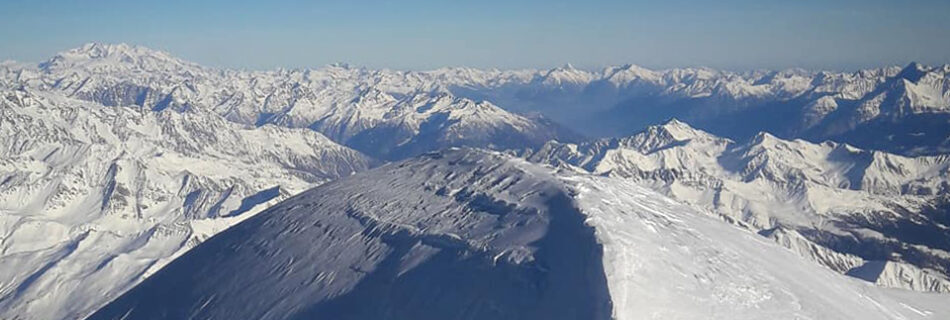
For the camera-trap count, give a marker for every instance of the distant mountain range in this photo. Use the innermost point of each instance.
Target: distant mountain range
(115, 159)
(385, 114)
(900, 110)
(904, 111)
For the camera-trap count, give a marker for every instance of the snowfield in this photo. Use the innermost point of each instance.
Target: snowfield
(469, 234)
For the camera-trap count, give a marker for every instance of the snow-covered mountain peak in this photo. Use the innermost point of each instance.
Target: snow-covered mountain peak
(94, 128)
(680, 130)
(764, 139)
(371, 96)
(94, 198)
(670, 134)
(917, 89)
(628, 74)
(99, 57)
(473, 234)
(768, 181)
(913, 72)
(565, 77)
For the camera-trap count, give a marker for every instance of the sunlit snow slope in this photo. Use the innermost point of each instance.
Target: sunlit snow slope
(467, 234)
(879, 216)
(95, 198)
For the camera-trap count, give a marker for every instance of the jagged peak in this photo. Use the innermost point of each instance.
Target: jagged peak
(564, 69)
(913, 72)
(371, 94)
(426, 100)
(678, 130)
(629, 72)
(765, 138)
(672, 132)
(674, 122)
(844, 147)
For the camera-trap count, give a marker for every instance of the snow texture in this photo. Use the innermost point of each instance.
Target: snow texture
(468, 234)
(833, 203)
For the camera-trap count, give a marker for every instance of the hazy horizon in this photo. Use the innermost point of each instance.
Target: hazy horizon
(736, 35)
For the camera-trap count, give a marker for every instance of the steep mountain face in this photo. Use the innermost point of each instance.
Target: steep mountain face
(841, 206)
(95, 198)
(467, 234)
(386, 114)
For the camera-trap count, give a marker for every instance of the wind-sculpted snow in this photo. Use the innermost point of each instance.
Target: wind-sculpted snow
(833, 203)
(468, 234)
(464, 234)
(95, 198)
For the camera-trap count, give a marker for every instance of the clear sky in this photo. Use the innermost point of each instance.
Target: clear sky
(414, 34)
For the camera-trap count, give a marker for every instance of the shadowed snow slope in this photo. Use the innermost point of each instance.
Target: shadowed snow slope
(468, 234)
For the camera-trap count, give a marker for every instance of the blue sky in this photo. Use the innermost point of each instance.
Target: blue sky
(413, 34)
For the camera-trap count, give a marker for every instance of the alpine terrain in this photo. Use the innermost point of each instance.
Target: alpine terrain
(134, 184)
(878, 216)
(478, 235)
(95, 198)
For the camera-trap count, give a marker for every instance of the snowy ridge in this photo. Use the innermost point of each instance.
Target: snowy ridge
(94, 198)
(115, 159)
(474, 234)
(903, 110)
(426, 121)
(834, 203)
(349, 105)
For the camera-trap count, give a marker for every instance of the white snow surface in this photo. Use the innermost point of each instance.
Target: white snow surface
(93, 199)
(384, 113)
(468, 234)
(768, 183)
(118, 158)
(341, 101)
